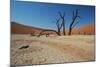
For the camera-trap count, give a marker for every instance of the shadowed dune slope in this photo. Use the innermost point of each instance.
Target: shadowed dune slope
(17, 28)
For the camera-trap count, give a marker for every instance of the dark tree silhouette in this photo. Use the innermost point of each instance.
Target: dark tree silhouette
(62, 16)
(59, 26)
(58, 32)
(75, 20)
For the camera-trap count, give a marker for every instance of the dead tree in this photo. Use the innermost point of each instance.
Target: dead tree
(75, 20)
(62, 16)
(59, 26)
(47, 34)
(33, 33)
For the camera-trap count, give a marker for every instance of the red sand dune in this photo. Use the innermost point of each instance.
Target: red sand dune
(87, 29)
(84, 30)
(24, 29)
(17, 28)
(75, 31)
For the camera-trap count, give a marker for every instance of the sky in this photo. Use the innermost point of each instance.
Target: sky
(44, 15)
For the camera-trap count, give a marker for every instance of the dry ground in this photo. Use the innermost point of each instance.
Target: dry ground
(53, 49)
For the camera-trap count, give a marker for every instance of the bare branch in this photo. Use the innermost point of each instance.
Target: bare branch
(75, 24)
(61, 25)
(57, 22)
(60, 14)
(73, 15)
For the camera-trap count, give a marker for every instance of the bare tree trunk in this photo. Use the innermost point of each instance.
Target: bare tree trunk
(59, 26)
(59, 32)
(70, 30)
(64, 31)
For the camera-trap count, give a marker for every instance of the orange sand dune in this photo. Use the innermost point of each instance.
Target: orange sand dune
(87, 29)
(24, 29)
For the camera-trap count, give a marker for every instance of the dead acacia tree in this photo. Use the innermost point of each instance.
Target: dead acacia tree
(59, 26)
(62, 16)
(33, 33)
(46, 32)
(58, 32)
(75, 20)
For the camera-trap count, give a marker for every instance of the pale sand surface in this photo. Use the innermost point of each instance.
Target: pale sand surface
(53, 49)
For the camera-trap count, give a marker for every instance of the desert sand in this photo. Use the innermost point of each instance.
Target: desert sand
(53, 49)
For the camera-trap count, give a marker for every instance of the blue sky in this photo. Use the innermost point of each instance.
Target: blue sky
(43, 15)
